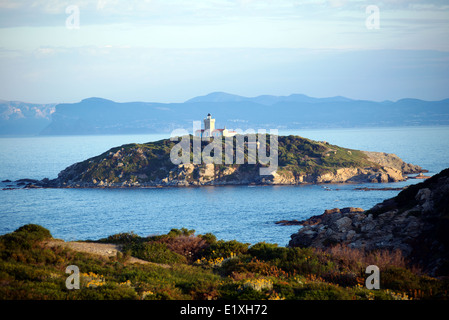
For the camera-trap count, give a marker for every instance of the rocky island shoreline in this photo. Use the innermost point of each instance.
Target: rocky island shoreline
(300, 161)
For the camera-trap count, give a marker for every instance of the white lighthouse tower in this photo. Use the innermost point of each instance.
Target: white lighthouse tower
(210, 131)
(209, 126)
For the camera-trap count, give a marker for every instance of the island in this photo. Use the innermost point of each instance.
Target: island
(299, 161)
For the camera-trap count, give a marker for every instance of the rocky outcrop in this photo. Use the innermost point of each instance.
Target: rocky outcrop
(416, 222)
(391, 160)
(360, 175)
(320, 218)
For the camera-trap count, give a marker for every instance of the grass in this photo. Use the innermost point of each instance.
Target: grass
(202, 267)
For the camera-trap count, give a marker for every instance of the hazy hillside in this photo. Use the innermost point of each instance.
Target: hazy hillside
(263, 99)
(17, 118)
(296, 111)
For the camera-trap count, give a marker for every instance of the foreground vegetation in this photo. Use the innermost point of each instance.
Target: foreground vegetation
(188, 266)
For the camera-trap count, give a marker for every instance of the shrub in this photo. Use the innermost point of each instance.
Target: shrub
(34, 232)
(356, 260)
(209, 238)
(268, 251)
(21, 244)
(258, 284)
(122, 238)
(25, 236)
(155, 252)
(246, 265)
(345, 279)
(187, 246)
(301, 261)
(182, 232)
(237, 291)
(225, 249)
(399, 279)
(322, 291)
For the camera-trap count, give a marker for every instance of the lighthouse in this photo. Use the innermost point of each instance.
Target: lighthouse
(209, 125)
(210, 131)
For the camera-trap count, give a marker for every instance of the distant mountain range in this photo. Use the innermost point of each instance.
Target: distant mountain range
(264, 99)
(296, 111)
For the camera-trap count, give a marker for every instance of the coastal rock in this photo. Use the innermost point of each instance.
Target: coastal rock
(392, 161)
(415, 222)
(285, 178)
(359, 175)
(328, 215)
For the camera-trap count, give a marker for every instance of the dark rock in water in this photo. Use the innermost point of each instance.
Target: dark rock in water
(416, 222)
(379, 189)
(419, 176)
(31, 183)
(327, 213)
(31, 186)
(289, 222)
(6, 181)
(25, 181)
(317, 219)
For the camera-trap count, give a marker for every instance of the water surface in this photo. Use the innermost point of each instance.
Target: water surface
(244, 213)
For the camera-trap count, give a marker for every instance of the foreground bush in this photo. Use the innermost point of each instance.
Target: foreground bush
(188, 266)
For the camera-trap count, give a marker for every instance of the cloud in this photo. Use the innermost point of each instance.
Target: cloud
(194, 12)
(45, 51)
(322, 27)
(337, 3)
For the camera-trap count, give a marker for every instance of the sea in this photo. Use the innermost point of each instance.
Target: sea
(244, 213)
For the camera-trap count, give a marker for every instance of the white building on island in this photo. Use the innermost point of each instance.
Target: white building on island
(210, 131)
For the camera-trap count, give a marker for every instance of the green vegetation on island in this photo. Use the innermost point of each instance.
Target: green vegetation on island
(299, 160)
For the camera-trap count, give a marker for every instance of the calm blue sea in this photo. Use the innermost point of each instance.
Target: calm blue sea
(247, 214)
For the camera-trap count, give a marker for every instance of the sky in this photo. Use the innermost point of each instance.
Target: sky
(172, 50)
